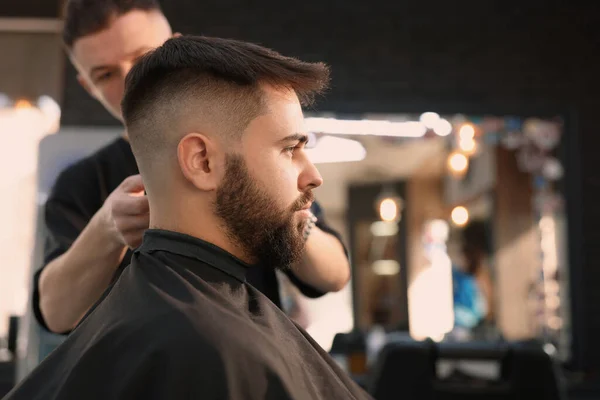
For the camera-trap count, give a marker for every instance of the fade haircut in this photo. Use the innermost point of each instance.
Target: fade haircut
(86, 17)
(197, 78)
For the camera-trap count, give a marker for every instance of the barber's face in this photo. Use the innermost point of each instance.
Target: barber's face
(267, 188)
(104, 58)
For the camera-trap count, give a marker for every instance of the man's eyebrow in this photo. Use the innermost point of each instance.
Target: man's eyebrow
(296, 137)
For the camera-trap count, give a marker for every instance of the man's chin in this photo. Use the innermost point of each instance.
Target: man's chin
(285, 259)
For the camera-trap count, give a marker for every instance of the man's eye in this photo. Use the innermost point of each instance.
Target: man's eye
(290, 150)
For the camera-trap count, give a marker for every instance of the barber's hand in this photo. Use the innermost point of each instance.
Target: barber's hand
(126, 212)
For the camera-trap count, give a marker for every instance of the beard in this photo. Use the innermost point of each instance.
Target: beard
(268, 234)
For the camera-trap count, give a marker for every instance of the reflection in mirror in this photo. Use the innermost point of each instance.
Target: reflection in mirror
(470, 243)
(378, 253)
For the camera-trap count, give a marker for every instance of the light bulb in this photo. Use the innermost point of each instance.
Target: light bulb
(467, 131)
(429, 119)
(22, 104)
(388, 210)
(460, 216)
(442, 127)
(468, 146)
(458, 163)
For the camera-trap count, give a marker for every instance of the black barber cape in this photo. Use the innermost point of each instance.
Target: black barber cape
(182, 323)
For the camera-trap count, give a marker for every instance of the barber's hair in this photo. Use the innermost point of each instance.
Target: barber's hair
(197, 77)
(86, 17)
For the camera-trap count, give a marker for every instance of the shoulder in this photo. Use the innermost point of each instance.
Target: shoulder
(89, 175)
(155, 305)
(148, 357)
(87, 167)
(172, 338)
(176, 332)
(82, 172)
(155, 325)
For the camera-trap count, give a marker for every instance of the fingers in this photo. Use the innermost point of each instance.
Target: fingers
(132, 229)
(128, 224)
(132, 184)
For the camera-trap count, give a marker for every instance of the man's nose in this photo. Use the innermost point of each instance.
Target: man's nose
(310, 178)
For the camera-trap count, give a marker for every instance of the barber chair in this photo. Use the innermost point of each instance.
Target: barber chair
(415, 370)
(56, 152)
(350, 353)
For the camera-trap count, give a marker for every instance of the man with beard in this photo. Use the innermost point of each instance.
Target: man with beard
(216, 127)
(97, 212)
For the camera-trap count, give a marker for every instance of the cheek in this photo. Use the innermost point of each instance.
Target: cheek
(115, 96)
(112, 93)
(280, 178)
(288, 186)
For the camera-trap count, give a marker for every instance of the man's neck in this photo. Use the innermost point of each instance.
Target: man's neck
(205, 227)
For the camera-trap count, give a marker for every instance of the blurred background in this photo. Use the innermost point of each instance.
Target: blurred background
(457, 146)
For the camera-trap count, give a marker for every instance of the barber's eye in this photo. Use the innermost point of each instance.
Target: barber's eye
(103, 77)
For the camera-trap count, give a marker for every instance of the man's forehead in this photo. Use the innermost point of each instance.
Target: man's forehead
(283, 118)
(127, 36)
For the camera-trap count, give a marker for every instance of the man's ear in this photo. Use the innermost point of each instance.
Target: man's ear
(198, 158)
(177, 34)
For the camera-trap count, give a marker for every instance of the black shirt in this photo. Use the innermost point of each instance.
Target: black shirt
(80, 191)
(183, 323)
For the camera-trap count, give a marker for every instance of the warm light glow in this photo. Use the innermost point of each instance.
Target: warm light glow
(458, 162)
(333, 126)
(330, 149)
(383, 228)
(386, 267)
(430, 303)
(439, 230)
(388, 210)
(22, 126)
(22, 103)
(467, 146)
(429, 119)
(51, 111)
(460, 216)
(467, 131)
(442, 127)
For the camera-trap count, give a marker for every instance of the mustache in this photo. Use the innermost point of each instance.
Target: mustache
(304, 199)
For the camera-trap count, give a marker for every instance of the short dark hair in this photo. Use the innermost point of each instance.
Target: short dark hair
(218, 76)
(86, 17)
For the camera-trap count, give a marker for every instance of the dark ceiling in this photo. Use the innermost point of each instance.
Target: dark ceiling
(30, 8)
(401, 56)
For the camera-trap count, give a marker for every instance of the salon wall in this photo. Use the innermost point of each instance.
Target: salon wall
(32, 65)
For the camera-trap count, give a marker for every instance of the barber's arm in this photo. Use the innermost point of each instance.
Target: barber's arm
(325, 266)
(73, 281)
